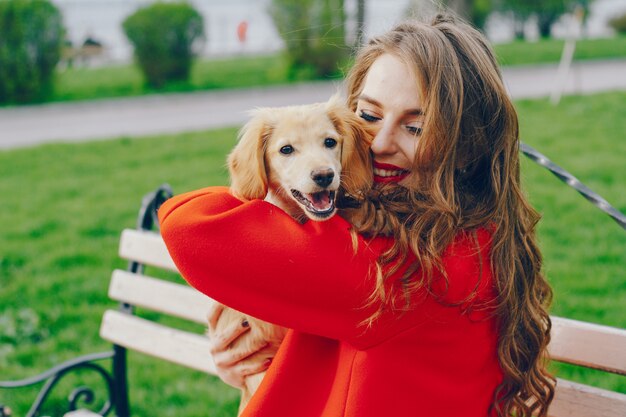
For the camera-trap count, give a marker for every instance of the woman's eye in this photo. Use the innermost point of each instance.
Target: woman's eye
(368, 117)
(414, 130)
(286, 150)
(330, 143)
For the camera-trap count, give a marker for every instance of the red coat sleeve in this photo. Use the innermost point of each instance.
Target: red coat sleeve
(255, 258)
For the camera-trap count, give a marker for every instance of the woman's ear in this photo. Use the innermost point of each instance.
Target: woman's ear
(356, 164)
(246, 162)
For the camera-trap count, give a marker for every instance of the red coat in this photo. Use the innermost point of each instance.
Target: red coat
(435, 360)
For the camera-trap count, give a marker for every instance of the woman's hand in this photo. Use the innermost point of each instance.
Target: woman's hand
(234, 361)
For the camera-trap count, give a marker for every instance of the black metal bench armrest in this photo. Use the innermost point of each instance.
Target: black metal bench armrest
(53, 375)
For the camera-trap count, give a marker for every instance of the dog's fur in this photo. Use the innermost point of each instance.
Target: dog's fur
(304, 182)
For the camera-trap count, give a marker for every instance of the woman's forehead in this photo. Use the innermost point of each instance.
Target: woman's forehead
(391, 83)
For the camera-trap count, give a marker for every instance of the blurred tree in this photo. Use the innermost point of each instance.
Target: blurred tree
(31, 38)
(546, 11)
(461, 7)
(360, 22)
(480, 12)
(619, 24)
(584, 7)
(473, 11)
(314, 34)
(163, 35)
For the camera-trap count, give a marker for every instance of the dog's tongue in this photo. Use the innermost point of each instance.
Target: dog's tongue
(321, 201)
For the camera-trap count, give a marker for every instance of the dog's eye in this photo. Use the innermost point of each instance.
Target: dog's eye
(286, 150)
(330, 143)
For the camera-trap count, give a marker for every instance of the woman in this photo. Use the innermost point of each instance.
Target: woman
(442, 309)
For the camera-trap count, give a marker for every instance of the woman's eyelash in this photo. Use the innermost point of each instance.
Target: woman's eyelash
(414, 129)
(368, 117)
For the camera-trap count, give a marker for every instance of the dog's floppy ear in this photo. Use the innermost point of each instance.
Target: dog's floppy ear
(356, 165)
(246, 162)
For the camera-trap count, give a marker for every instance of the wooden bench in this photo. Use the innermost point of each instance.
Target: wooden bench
(574, 342)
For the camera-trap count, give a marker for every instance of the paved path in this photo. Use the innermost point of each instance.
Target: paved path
(157, 114)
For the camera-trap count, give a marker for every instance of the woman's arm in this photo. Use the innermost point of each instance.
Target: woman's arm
(255, 258)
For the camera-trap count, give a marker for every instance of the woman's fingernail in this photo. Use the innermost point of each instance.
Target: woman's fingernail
(245, 323)
(267, 362)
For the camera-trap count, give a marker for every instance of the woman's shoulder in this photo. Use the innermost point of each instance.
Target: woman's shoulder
(467, 266)
(470, 243)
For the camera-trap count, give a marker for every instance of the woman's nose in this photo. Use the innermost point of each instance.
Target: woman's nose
(384, 142)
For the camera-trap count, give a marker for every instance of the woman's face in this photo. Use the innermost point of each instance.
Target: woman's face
(390, 103)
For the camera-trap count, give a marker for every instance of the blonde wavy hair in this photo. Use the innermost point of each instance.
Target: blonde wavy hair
(466, 175)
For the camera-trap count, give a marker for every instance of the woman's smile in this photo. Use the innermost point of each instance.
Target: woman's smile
(386, 173)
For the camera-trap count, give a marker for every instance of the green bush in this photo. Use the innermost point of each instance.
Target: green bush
(314, 34)
(163, 35)
(31, 36)
(619, 23)
(480, 11)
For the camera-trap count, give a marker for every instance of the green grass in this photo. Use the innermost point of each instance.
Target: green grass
(584, 249)
(549, 50)
(249, 71)
(127, 80)
(62, 211)
(64, 205)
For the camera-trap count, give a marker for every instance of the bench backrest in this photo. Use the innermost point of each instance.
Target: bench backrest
(574, 342)
(178, 300)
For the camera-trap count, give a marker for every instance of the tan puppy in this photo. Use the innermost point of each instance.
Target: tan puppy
(300, 158)
(297, 157)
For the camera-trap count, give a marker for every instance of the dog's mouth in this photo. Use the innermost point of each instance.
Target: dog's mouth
(320, 204)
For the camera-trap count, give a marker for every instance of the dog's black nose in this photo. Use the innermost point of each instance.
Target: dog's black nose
(323, 177)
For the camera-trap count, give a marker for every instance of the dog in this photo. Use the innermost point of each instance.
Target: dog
(303, 159)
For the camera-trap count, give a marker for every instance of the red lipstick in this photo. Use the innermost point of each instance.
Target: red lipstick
(386, 173)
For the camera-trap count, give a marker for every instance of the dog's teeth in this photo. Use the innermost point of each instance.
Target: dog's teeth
(309, 201)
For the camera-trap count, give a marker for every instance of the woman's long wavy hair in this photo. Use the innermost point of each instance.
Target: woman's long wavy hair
(466, 175)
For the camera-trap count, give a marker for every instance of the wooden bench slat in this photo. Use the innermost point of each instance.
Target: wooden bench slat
(173, 345)
(159, 295)
(81, 413)
(147, 248)
(578, 400)
(587, 344)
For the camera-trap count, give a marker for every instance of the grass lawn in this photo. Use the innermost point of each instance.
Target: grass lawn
(549, 50)
(248, 71)
(127, 80)
(64, 205)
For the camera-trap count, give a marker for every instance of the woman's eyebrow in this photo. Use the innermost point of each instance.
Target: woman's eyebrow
(410, 112)
(370, 100)
(414, 112)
